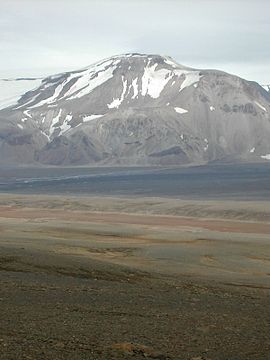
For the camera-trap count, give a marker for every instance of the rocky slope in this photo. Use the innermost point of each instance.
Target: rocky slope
(137, 109)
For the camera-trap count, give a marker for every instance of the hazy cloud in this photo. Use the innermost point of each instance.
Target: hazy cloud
(42, 37)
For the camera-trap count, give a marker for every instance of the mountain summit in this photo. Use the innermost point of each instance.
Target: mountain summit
(137, 109)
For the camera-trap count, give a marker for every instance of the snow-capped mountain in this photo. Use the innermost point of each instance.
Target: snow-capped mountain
(137, 109)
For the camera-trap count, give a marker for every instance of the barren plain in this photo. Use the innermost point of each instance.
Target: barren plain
(118, 278)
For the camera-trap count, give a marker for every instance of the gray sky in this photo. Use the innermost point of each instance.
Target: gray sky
(41, 37)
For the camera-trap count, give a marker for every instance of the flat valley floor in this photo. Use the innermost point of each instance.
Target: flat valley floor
(86, 277)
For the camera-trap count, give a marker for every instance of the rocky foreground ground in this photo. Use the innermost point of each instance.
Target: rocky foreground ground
(79, 295)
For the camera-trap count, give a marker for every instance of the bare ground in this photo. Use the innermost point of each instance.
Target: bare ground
(148, 278)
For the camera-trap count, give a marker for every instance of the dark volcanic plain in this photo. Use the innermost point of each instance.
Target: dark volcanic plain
(126, 277)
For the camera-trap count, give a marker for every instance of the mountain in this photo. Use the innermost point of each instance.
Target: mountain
(137, 109)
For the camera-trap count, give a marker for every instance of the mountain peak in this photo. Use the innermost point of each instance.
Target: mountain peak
(142, 58)
(138, 109)
(139, 74)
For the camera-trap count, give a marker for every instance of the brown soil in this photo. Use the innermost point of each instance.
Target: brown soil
(150, 220)
(77, 284)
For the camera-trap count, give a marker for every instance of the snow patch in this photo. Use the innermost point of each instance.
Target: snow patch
(266, 157)
(65, 126)
(131, 55)
(154, 81)
(212, 108)
(266, 87)
(135, 88)
(206, 144)
(86, 80)
(29, 101)
(45, 135)
(180, 110)
(54, 122)
(91, 117)
(260, 106)
(252, 150)
(191, 77)
(57, 92)
(52, 98)
(169, 61)
(20, 126)
(117, 102)
(27, 113)
(90, 79)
